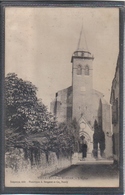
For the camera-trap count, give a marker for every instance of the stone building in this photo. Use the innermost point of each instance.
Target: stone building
(82, 102)
(114, 100)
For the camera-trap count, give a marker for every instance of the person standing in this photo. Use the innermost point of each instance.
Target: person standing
(84, 148)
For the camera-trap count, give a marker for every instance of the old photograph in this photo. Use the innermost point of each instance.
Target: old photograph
(61, 97)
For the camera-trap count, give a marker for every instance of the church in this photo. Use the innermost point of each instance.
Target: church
(82, 102)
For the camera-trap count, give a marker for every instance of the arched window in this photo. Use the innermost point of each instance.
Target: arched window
(79, 70)
(86, 70)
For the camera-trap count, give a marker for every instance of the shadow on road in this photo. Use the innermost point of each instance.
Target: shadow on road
(89, 171)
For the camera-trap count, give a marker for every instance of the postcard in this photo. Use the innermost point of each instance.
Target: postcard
(62, 97)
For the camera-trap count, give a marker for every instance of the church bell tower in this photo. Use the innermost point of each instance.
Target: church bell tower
(82, 80)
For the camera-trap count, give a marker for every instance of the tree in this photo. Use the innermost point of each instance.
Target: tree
(20, 97)
(68, 139)
(98, 138)
(29, 125)
(26, 118)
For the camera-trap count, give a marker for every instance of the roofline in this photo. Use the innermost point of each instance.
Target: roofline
(82, 51)
(80, 57)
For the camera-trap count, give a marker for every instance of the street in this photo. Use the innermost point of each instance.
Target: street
(96, 175)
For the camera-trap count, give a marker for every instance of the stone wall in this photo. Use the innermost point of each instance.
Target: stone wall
(17, 165)
(82, 88)
(104, 119)
(115, 102)
(62, 106)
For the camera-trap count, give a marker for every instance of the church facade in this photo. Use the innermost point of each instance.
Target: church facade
(82, 102)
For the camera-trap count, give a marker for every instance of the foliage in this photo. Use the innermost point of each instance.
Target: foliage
(26, 117)
(29, 125)
(68, 138)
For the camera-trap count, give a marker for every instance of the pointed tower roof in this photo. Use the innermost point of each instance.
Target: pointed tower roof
(82, 48)
(82, 43)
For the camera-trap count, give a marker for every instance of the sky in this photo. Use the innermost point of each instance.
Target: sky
(39, 43)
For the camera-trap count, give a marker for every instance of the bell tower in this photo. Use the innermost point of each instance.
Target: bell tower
(82, 80)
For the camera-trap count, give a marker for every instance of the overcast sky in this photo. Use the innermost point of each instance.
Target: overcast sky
(39, 43)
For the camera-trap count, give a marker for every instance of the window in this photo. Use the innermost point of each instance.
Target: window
(79, 70)
(86, 70)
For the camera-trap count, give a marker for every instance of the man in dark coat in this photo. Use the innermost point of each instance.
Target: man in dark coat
(84, 147)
